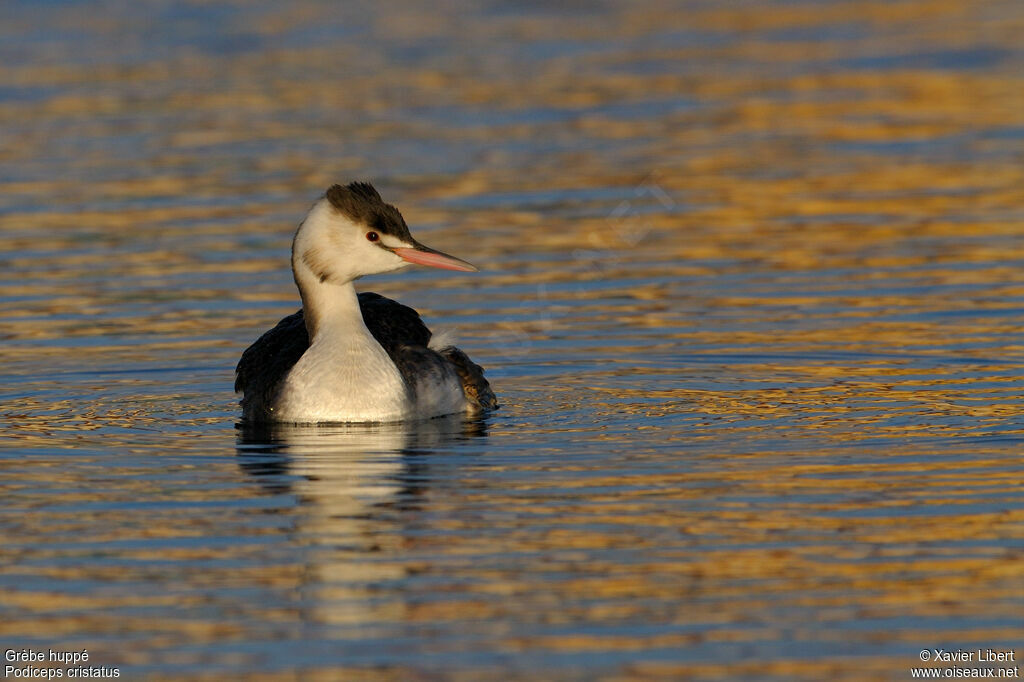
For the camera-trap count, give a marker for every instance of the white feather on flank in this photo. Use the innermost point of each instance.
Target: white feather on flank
(442, 339)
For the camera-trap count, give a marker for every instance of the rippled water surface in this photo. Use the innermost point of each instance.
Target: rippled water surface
(752, 296)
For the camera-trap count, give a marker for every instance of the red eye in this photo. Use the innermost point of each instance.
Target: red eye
(372, 236)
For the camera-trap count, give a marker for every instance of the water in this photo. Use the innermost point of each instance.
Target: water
(752, 299)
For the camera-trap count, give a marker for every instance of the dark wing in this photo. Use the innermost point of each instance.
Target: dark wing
(397, 328)
(403, 335)
(266, 362)
(393, 325)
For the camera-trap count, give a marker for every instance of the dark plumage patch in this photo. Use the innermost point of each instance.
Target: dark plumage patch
(471, 376)
(361, 203)
(391, 323)
(266, 362)
(315, 262)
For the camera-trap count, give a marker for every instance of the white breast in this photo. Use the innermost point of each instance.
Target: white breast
(343, 378)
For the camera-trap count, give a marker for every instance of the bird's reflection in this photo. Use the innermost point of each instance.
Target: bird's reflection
(366, 460)
(357, 489)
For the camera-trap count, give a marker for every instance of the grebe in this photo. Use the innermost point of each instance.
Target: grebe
(347, 357)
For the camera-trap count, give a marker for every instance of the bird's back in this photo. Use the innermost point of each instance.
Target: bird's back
(397, 328)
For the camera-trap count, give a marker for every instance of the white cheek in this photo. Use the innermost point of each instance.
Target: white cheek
(382, 260)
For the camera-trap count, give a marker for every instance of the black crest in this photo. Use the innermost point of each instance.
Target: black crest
(362, 204)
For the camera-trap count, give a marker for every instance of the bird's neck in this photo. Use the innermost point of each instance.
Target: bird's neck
(345, 374)
(329, 307)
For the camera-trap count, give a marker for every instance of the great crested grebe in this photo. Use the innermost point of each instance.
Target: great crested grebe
(347, 357)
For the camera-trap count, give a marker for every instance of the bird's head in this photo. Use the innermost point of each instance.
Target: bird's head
(350, 232)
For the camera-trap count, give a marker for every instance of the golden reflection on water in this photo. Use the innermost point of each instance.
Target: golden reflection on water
(751, 296)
